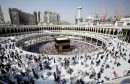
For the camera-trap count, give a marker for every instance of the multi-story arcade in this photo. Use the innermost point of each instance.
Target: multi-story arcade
(107, 62)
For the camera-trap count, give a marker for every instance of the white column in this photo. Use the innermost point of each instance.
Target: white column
(113, 31)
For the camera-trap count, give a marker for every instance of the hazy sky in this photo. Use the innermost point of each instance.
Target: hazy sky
(67, 8)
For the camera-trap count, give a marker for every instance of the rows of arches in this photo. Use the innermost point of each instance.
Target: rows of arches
(90, 29)
(116, 32)
(93, 40)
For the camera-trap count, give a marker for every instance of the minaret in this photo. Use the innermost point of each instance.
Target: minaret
(79, 18)
(79, 12)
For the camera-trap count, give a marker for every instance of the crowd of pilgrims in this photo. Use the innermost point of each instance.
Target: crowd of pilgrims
(19, 67)
(76, 47)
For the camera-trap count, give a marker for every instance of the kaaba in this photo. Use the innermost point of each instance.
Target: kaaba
(62, 44)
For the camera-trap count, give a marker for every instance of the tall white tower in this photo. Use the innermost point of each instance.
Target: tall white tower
(79, 12)
(78, 18)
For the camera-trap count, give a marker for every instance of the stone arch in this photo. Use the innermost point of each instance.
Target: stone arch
(15, 30)
(22, 30)
(116, 31)
(101, 30)
(69, 28)
(94, 29)
(30, 29)
(58, 28)
(78, 29)
(27, 29)
(88, 29)
(3, 31)
(33, 29)
(106, 30)
(83, 28)
(8, 31)
(111, 33)
(40, 28)
(49, 28)
(19, 30)
(55, 28)
(91, 29)
(12, 31)
(44, 28)
(97, 30)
